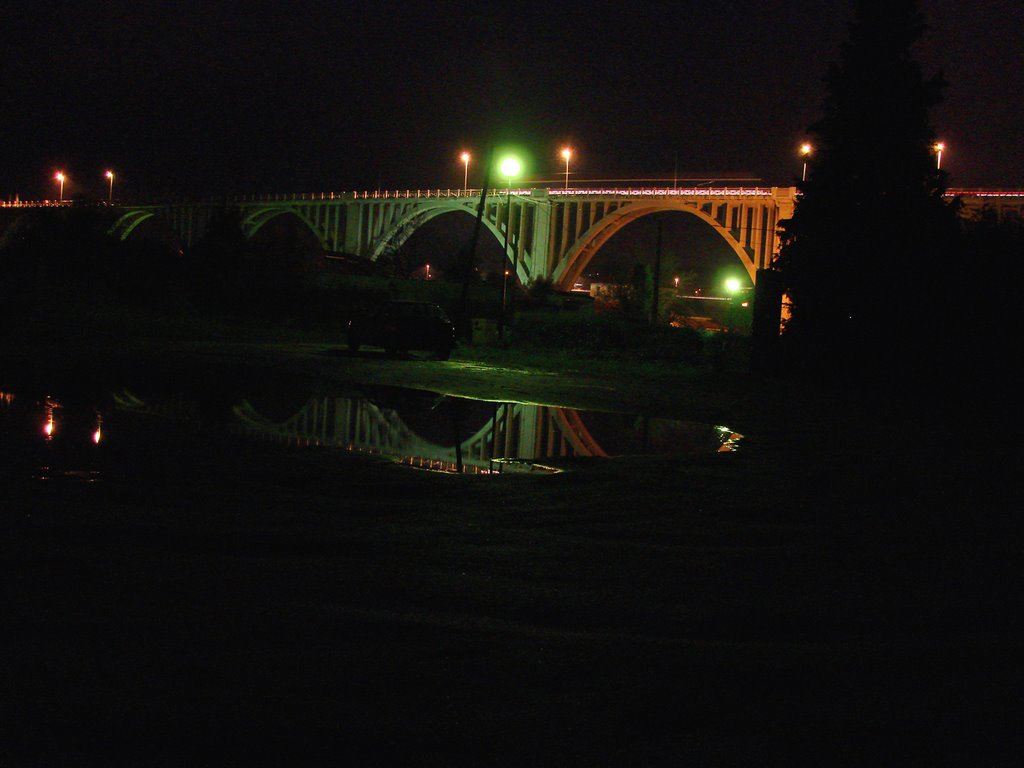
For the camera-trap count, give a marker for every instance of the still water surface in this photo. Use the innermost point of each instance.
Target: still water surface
(63, 434)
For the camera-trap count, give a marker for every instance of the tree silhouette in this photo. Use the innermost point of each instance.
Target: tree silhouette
(865, 256)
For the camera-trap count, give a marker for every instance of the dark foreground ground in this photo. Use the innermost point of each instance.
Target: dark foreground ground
(841, 591)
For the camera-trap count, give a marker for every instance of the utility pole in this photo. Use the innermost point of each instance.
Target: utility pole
(657, 276)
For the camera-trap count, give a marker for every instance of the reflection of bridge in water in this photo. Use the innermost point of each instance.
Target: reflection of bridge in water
(515, 432)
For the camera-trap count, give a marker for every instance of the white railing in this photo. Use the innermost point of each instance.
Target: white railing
(33, 203)
(572, 192)
(406, 194)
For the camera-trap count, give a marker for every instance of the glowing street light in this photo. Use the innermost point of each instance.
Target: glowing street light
(464, 157)
(110, 177)
(805, 151)
(938, 147)
(60, 177)
(510, 168)
(676, 281)
(566, 154)
(732, 285)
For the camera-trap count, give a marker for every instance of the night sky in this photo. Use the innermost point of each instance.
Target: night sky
(194, 98)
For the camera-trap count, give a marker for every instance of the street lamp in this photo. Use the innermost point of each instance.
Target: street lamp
(805, 151)
(60, 177)
(938, 147)
(510, 167)
(464, 157)
(110, 177)
(566, 154)
(732, 287)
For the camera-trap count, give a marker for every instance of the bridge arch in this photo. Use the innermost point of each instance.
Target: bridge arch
(129, 222)
(257, 218)
(404, 227)
(591, 241)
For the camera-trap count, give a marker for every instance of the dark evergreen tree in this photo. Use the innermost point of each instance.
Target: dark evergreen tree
(865, 256)
(218, 265)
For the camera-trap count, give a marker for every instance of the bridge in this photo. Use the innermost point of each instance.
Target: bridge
(547, 233)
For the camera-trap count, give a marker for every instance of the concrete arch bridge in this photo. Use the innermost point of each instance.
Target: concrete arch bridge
(546, 233)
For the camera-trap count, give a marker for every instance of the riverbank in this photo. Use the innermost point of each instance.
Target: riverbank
(786, 604)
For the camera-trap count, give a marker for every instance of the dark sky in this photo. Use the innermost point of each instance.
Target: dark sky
(195, 98)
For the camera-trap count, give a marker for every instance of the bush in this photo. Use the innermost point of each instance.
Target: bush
(590, 333)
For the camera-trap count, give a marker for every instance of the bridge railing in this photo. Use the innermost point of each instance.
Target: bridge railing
(407, 194)
(985, 193)
(411, 193)
(667, 191)
(379, 194)
(397, 194)
(34, 203)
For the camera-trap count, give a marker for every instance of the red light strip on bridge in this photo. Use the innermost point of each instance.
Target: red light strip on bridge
(671, 192)
(983, 193)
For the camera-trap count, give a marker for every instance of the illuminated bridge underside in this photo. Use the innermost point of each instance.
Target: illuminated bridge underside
(550, 233)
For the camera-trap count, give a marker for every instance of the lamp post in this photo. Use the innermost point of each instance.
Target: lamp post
(60, 177)
(938, 147)
(805, 151)
(110, 177)
(510, 167)
(464, 157)
(566, 154)
(732, 287)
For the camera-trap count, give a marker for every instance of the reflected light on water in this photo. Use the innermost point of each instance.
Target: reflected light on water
(730, 440)
(50, 422)
(423, 430)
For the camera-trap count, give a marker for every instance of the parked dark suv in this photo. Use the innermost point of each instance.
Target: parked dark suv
(399, 326)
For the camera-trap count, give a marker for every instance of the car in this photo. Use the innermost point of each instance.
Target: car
(400, 326)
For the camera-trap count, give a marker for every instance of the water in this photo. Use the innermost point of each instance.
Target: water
(64, 434)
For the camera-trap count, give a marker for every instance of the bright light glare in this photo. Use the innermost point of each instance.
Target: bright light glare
(464, 157)
(805, 149)
(732, 285)
(566, 153)
(510, 167)
(59, 176)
